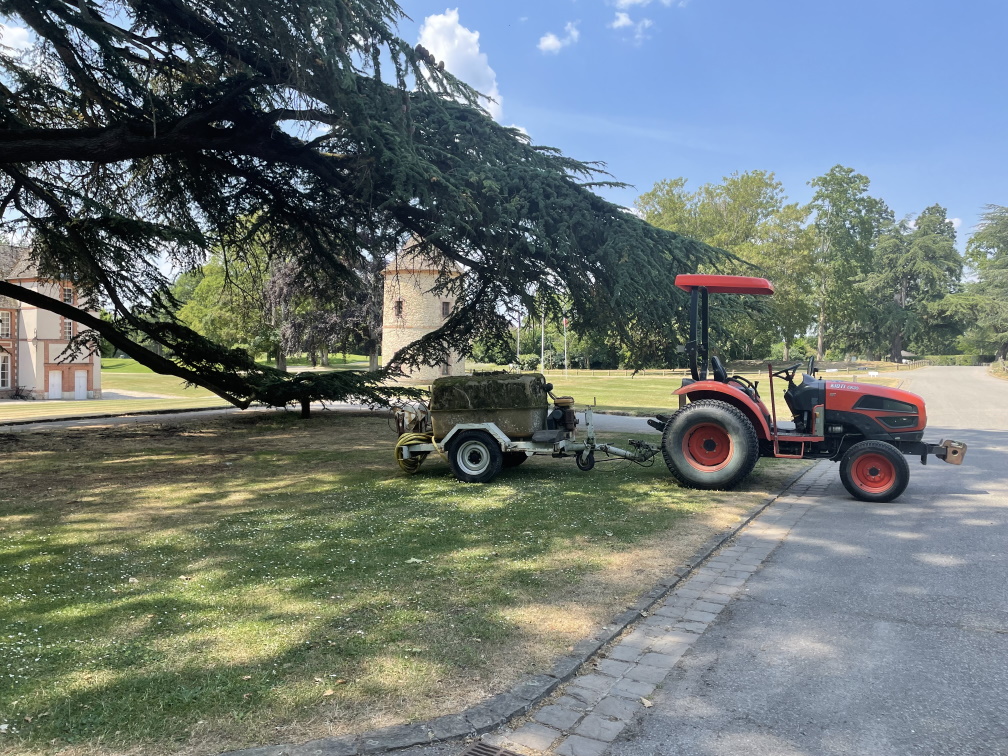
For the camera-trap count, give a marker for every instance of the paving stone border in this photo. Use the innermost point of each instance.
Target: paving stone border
(594, 708)
(601, 698)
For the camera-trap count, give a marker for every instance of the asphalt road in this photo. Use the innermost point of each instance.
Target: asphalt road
(871, 629)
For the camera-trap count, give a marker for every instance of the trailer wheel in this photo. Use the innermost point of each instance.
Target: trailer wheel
(475, 457)
(709, 444)
(874, 471)
(513, 459)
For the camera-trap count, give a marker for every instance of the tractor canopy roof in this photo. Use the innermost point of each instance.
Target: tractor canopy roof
(724, 284)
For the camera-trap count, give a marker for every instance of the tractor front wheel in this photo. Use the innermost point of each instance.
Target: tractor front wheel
(709, 444)
(874, 471)
(474, 456)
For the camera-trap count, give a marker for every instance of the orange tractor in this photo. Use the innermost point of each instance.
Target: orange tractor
(723, 426)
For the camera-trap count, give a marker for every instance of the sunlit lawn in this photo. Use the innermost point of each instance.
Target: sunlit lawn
(117, 375)
(265, 579)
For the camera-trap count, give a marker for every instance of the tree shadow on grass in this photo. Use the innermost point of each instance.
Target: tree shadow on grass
(247, 572)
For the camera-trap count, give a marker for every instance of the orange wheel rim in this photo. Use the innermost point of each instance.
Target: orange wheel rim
(873, 473)
(707, 447)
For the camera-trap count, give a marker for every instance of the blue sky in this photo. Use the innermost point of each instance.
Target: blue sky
(911, 94)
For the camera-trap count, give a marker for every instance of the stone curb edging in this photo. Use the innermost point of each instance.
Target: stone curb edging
(500, 709)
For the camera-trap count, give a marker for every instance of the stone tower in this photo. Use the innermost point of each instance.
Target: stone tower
(411, 310)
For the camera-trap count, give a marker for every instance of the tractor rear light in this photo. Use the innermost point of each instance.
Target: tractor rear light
(834, 430)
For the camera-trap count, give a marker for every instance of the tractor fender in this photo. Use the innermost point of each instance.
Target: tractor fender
(728, 394)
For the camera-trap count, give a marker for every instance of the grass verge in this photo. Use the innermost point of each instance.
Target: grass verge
(258, 579)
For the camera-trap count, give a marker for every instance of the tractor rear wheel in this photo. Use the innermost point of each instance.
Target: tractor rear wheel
(709, 444)
(874, 471)
(474, 456)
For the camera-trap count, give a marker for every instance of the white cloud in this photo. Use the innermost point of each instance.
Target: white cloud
(15, 37)
(459, 48)
(956, 222)
(551, 43)
(622, 20)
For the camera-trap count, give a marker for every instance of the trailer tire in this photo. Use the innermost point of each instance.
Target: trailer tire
(874, 471)
(474, 456)
(513, 459)
(710, 444)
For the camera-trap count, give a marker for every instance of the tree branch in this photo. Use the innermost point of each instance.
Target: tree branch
(114, 336)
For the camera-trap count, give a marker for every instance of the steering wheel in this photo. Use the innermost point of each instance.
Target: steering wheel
(811, 366)
(788, 373)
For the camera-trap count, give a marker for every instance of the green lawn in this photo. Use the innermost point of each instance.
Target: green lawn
(118, 375)
(257, 579)
(643, 394)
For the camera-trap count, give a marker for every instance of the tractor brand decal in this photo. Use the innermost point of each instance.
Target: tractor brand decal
(845, 386)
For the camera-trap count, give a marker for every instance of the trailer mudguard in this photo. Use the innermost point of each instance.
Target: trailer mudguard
(756, 411)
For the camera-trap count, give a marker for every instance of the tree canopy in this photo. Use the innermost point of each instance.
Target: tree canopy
(987, 252)
(747, 215)
(133, 133)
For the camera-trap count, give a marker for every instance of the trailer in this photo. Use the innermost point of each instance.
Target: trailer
(486, 422)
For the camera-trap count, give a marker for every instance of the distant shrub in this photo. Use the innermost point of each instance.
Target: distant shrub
(528, 361)
(960, 360)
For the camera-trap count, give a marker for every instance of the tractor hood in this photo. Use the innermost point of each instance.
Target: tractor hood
(894, 409)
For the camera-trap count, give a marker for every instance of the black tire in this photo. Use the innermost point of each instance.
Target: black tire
(513, 459)
(874, 471)
(710, 445)
(474, 456)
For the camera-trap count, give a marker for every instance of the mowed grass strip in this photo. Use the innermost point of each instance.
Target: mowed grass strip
(259, 579)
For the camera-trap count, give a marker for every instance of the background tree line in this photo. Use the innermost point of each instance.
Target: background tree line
(851, 281)
(850, 277)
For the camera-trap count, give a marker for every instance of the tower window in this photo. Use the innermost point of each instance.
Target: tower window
(398, 307)
(5, 325)
(68, 294)
(67, 330)
(445, 310)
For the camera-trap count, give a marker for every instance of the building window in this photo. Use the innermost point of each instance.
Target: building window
(445, 310)
(5, 322)
(398, 308)
(68, 294)
(5, 376)
(67, 330)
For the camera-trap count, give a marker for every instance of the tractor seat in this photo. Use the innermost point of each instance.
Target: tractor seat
(563, 402)
(720, 374)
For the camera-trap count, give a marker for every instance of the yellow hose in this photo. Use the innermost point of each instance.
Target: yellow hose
(412, 464)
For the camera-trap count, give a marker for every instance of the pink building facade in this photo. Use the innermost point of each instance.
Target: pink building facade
(32, 340)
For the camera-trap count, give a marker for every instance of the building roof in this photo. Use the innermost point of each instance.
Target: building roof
(15, 262)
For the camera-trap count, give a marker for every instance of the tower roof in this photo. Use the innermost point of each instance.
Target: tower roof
(409, 260)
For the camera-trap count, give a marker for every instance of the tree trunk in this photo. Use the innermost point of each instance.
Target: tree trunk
(787, 351)
(896, 350)
(305, 408)
(325, 359)
(1002, 353)
(312, 358)
(373, 359)
(281, 359)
